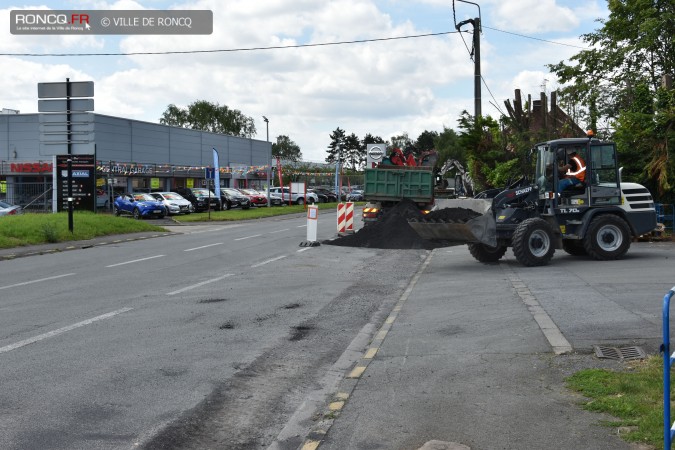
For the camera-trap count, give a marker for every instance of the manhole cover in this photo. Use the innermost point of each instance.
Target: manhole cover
(620, 353)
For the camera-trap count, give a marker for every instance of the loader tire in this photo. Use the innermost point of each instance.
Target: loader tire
(485, 253)
(533, 242)
(607, 238)
(574, 247)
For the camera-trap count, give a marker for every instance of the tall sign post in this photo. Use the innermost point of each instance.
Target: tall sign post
(209, 174)
(65, 131)
(269, 165)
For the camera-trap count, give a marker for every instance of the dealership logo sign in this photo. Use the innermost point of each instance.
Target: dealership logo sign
(375, 153)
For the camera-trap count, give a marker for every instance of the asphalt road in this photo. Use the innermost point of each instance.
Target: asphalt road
(144, 343)
(478, 354)
(233, 336)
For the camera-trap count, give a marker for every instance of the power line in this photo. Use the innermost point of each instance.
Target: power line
(232, 50)
(282, 47)
(467, 47)
(492, 95)
(536, 39)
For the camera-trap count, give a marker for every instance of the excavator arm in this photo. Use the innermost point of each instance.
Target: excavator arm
(465, 177)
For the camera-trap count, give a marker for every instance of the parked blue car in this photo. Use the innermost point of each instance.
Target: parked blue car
(139, 205)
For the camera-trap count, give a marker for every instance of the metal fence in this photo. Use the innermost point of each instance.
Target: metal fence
(665, 214)
(32, 197)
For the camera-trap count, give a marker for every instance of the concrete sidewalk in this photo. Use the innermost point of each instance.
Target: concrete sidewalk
(454, 370)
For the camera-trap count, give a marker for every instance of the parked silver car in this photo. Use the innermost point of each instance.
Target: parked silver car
(174, 202)
(9, 210)
(297, 198)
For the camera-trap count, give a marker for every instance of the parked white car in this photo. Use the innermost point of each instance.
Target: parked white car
(174, 202)
(297, 198)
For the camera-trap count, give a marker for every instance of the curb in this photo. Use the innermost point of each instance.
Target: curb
(45, 249)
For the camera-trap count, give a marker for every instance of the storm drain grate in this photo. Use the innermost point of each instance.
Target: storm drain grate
(621, 353)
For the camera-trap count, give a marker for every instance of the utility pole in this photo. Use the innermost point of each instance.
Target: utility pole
(475, 22)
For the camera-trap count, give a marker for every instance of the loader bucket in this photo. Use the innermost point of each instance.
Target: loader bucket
(459, 221)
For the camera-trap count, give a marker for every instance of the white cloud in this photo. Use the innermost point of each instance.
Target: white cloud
(19, 83)
(384, 88)
(534, 16)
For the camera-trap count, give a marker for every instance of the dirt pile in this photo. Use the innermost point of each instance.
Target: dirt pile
(391, 232)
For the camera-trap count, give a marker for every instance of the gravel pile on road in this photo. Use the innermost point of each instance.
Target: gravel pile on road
(391, 232)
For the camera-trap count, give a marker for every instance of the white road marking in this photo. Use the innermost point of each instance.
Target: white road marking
(248, 237)
(268, 261)
(36, 281)
(205, 231)
(135, 260)
(203, 246)
(302, 226)
(187, 288)
(9, 348)
(550, 330)
(303, 249)
(279, 231)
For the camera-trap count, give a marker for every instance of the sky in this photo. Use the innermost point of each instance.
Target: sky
(384, 87)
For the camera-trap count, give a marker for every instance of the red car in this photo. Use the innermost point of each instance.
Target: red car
(257, 198)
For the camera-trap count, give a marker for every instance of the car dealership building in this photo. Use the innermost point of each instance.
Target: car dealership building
(130, 155)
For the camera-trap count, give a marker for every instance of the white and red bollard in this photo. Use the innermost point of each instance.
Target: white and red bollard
(312, 223)
(345, 218)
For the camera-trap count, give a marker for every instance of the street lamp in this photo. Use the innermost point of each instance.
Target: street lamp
(269, 166)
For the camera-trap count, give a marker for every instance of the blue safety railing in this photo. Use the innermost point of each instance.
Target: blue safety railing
(665, 214)
(668, 428)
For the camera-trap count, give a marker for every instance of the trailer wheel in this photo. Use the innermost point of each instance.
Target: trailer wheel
(607, 237)
(533, 242)
(485, 253)
(574, 247)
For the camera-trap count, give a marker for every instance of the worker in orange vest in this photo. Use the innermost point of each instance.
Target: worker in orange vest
(574, 172)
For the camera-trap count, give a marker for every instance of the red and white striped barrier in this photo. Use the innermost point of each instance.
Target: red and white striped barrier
(345, 217)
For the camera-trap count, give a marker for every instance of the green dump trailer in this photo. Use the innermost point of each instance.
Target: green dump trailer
(386, 186)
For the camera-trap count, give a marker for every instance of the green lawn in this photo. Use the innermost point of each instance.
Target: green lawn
(30, 228)
(27, 229)
(633, 396)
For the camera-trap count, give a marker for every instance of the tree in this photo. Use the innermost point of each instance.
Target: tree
(207, 116)
(285, 148)
(401, 141)
(447, 146)
(488, 163)
(370, 139)
(337, 139)
(618, 82)
(426, 141)
(354, 153)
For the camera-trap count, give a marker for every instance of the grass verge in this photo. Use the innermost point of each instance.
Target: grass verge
(30, 229)
(252, 213)
(634, 397)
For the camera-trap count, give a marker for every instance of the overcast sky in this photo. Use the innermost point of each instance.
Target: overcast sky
(384, 88)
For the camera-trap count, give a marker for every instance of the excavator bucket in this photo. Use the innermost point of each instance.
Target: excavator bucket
(459, 221)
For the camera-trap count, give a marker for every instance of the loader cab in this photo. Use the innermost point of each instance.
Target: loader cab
(601, 185)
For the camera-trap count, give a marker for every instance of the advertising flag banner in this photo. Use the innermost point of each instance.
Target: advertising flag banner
(216, 166)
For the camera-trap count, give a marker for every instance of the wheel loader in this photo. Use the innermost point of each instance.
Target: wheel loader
(598, 217)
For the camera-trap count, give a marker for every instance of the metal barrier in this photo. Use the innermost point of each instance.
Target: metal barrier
(665, 214)
(668, 429)
(33, 197)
